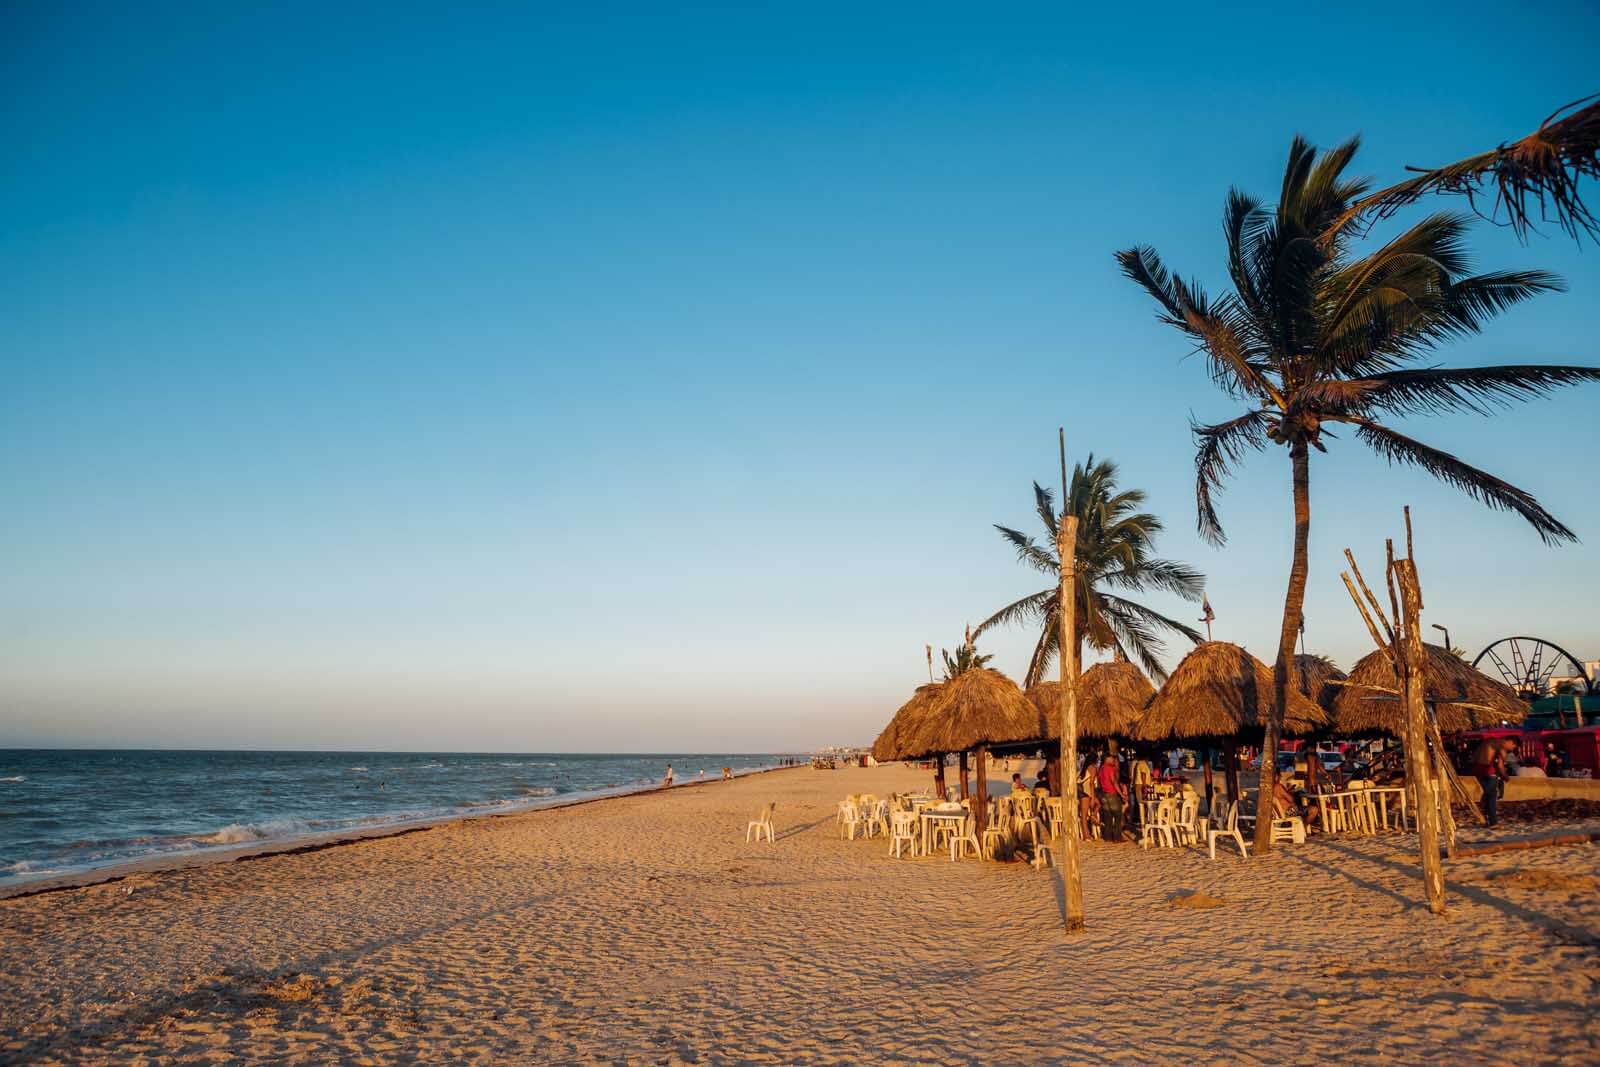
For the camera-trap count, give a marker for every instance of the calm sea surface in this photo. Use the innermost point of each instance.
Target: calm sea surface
(69, 810)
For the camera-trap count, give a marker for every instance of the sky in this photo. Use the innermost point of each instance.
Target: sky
(599, 378)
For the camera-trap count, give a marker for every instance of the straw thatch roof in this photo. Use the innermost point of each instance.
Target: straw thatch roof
(1111, 697)
(1220, 690)
(1313, 673)
(1447, 681)
(976, 707)
(891, 744)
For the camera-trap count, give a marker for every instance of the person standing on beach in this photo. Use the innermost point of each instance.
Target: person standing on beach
(1111, 798)
(667, 781)
(1489, 766)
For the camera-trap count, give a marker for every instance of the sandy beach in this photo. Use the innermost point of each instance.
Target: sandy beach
(644, 929)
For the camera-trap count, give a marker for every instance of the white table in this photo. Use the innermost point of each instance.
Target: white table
(929, 816)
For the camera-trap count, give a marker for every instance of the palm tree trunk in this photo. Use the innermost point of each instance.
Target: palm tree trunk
(1293, 605)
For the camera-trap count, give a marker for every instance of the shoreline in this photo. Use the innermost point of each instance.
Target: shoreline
(301, 844)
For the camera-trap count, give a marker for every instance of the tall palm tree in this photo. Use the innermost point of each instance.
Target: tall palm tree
(1114, 545)
(1313, 337)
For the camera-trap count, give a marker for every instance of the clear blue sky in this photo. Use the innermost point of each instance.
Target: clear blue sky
(591, 379)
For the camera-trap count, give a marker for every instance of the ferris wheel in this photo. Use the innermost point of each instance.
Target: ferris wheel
(1527, 664)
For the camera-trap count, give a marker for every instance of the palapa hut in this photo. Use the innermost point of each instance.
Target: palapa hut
(976, 708)
(1218, 692)
(973, 710)
(893, 743)
(1463, 698)
(1111, 697)
(1313, 673)
(1222, 694)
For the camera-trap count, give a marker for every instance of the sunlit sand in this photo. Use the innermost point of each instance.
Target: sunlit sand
(647, 929)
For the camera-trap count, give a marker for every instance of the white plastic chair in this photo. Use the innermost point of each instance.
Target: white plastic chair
(1334, 817)
(849, 820)
(966, 838)
(1043, 856)
(995, 833)
(902, 832)
(1229, 829)
(1286, 827)
(1189, 825)
(761, 825)
(1162, 827)
(1363, 813)
(878, 818)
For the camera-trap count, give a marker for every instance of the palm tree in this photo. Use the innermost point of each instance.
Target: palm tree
(1313, 337)
(1114, 544)
(967, 658)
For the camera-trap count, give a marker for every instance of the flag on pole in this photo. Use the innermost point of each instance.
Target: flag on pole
(1207, 615)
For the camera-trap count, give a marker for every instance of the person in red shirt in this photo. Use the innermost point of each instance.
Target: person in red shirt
(1112, 798)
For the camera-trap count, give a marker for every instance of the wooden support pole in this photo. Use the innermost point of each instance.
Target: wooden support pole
(1206, 756)
(1052, 774)
(938, 774)
(1448, 773)
(1067, 552)
(1417, 761)
(966, 788)
(1231, 772)
(980, 797)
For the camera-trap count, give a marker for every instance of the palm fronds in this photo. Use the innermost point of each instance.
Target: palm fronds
(1536, 175)
(1479, 485)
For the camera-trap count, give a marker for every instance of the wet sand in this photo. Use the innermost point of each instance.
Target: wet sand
(645, 929)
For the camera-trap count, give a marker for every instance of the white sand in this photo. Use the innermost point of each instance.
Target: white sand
(644, 929)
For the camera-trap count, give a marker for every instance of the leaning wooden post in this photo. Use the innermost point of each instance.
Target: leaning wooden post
(1417, 733)
(1067, 611)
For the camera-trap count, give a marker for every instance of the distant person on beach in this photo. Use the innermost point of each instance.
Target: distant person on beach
(667, 781)
(1489, 766)
(1016, 785)
(727, 774)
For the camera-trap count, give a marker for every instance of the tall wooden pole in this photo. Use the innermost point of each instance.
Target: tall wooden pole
(1205, 755)
(980, 796)
(1067, 552)
(1420, 773)
(966, 790)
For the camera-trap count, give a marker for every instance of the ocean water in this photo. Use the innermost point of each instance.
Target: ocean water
(63, 811)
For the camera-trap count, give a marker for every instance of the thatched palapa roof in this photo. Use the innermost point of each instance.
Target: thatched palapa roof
(1111, 697)
(1313, 673)
(976, 707)
(1368, 702)
(891, 744)
(1222, 691)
